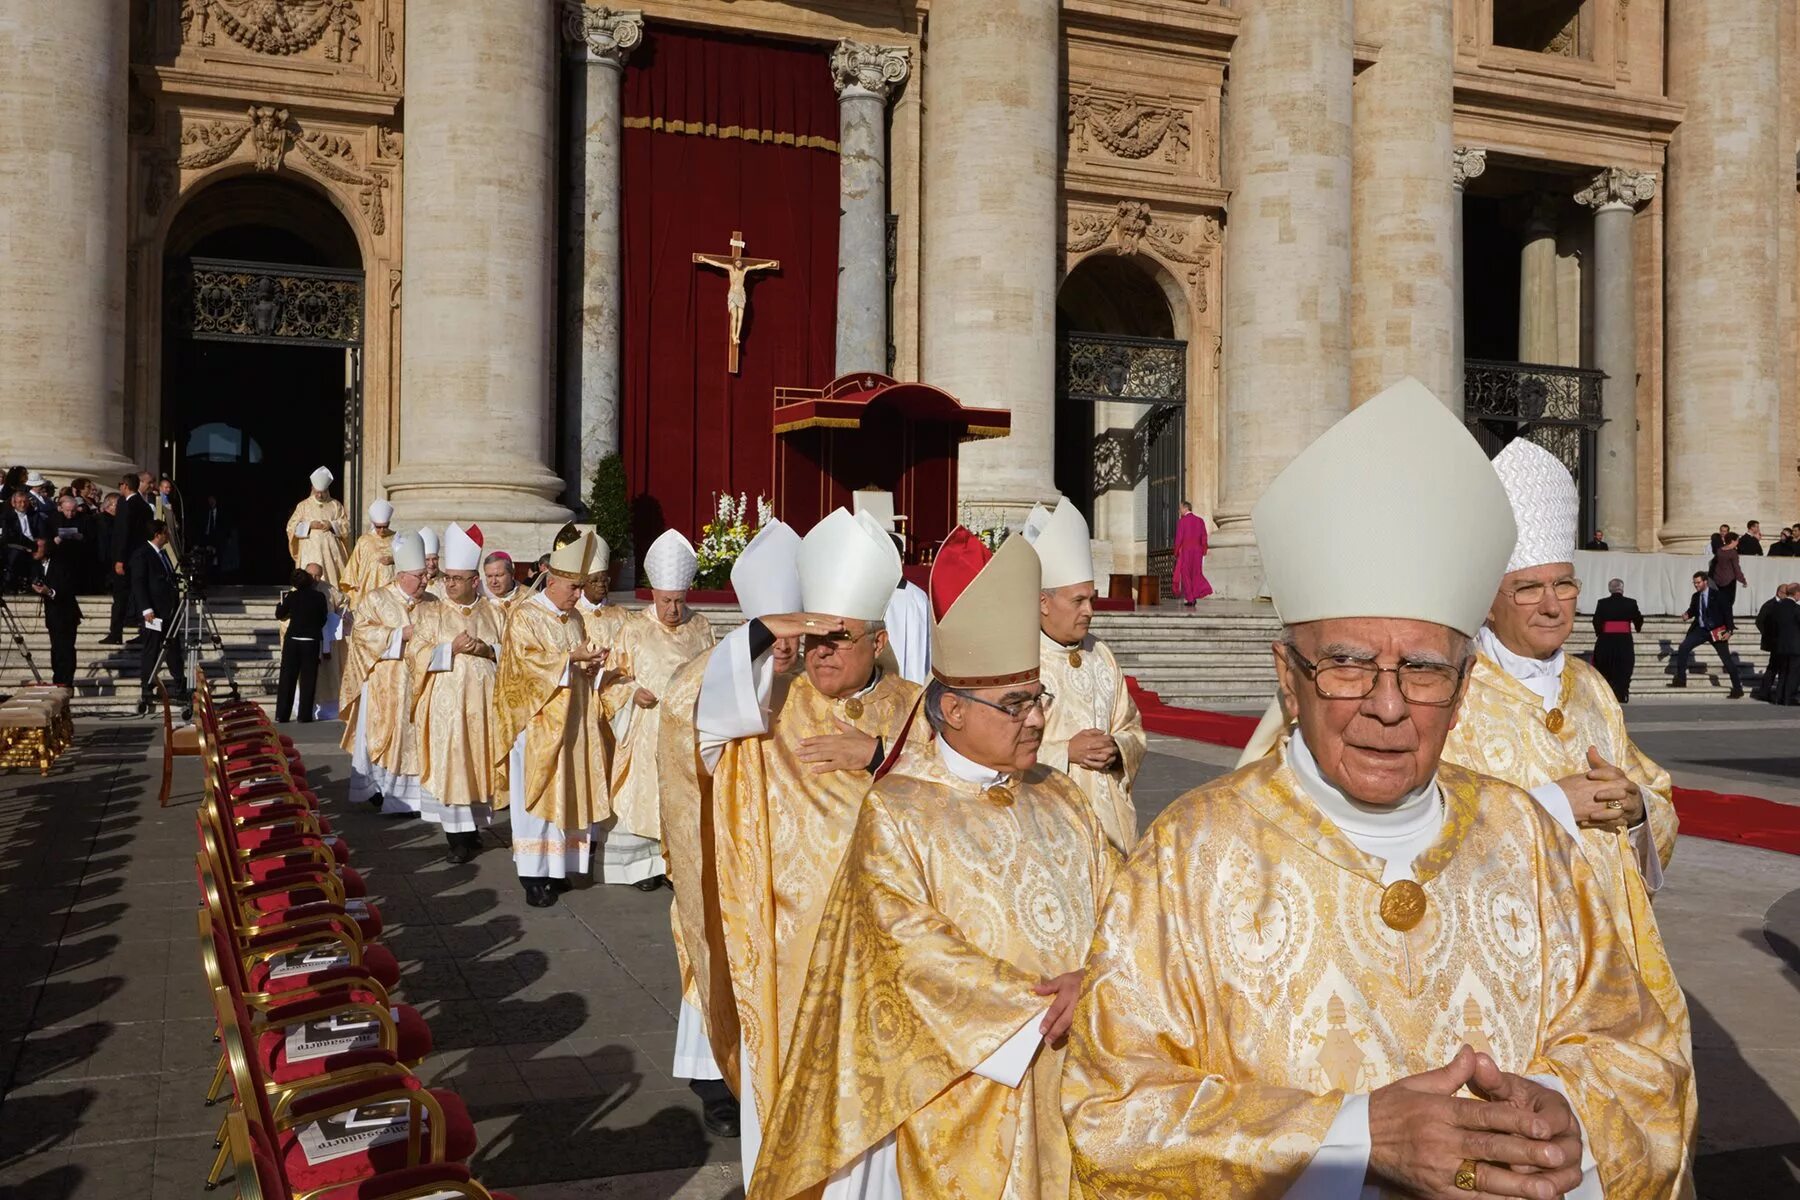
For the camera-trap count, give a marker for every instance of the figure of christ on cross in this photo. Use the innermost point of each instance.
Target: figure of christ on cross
(737, 269)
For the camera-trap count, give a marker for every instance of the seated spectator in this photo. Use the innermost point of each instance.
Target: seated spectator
(1597, 542)
(1784, 546)
(21, 542)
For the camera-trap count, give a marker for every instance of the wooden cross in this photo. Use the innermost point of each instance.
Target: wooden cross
(737, 269)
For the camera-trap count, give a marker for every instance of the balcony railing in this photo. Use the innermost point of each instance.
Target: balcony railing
(1559, 408)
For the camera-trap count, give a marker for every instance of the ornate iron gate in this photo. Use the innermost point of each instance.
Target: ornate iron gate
(1556, 407)
(1096, 369)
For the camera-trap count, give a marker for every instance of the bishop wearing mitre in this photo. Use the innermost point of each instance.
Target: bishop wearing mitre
(549, 762)
(1094, 733)
(454, 659)
(434, 574)
(1304, 962)
(927, 1055)
(377, 695)
(766, 580)
(651, 645)
(790, 761)
(371, 564)
(319, 528)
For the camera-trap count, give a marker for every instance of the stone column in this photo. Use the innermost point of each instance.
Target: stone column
(480, 314)
(600, 41)
(1614, 196)
(1730, 185)
(864, 75)
(62, 253)
(1539, 340)
(988, 271)
(1403, 205)
(1466, 163)
(1287, 276)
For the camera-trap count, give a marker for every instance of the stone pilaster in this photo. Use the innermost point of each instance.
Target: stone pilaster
(1615, 195)
(600, 40)
(479, 319)
(1727, 168)
(1539, 331)
(989, 264)
(62, 252)
(1466, 163)
(864, 75)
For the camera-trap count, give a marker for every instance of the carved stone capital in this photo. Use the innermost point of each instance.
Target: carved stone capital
(602, 35)
(872, 70)
(1466, 163)
(1618, 187)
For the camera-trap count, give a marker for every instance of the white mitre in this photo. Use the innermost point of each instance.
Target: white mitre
(848, 567)
(380, 512)
(766, 576)
(671, 564)
(408, 552)
(1062, 543)
(1392, 512)
(429, 539)
(1545, 504)
(461, 552)
(321, 479)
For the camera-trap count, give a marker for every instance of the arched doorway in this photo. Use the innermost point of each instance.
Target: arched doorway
(262, 353)
(1121, 405)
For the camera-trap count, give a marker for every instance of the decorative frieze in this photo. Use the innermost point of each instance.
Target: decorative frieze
(1466, 163)
(334, 157)
(604, 35)
(1618, 187)
(876, 70)
(1127, 128)
(1131, 227)
(269, 135)
(277, 27)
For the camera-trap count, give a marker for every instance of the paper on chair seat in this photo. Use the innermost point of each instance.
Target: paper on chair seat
(301, 962)
(356, 906)
(332, 1035)
(1008, 1064)
(346, 1133)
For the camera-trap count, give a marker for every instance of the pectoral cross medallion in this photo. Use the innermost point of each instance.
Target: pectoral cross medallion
(737, 270)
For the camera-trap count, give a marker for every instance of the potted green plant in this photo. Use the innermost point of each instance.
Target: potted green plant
(610, 510)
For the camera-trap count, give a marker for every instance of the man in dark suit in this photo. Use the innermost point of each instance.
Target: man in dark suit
(1785, 621)
(21, 542)
(1718, 539)
(129, 531)
(1709, 620)
(1770, 687)
(1616, 619)
(64, 562)
(305, 609)
(155, 596)
(1751, 543)
(1597, 542)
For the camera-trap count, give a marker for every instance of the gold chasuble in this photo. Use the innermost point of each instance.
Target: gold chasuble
(377, 691)
(684, 803)
(1090, 694)
(951, 905)
(1243, 982)
(323, 546)
(646, 655)
(779, 834)
(538, 693)
(453, 705)
(366, 571)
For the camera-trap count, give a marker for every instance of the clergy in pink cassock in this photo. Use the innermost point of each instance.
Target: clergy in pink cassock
(1190, 555)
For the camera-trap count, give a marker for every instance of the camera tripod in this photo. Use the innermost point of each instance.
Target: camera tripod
(17, 637)
(194, 630)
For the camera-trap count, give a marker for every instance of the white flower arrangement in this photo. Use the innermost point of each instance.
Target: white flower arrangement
(989, 526)
(724, 537)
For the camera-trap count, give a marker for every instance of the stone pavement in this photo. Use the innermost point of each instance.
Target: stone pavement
(556, 1025)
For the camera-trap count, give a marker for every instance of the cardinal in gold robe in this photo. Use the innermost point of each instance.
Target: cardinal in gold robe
(790, 763)
(318, 529)
(550, 767)
(651, 645)
(606, 629)
(454, 661)
(927, 1056)
(371, 564)
(377, 696)
(1351, 968)
(1094, 733)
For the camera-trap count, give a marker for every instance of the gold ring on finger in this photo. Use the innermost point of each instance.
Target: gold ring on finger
(1465, 1176)
(1615, 804)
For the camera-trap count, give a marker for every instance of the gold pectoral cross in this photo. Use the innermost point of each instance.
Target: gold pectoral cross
(737, 270)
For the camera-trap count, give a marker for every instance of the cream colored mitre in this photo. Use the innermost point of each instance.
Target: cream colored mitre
(984, 612)
(1545, 505)
(321, 479)
(408, 552)
(461, 552)
(848, 567)
(429, 539)
(574, 554)
(670, 564)
(1063, 544)
(766, 576)
(380, 512)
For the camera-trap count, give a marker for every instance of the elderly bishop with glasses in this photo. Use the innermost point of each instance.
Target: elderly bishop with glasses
(1351, 967)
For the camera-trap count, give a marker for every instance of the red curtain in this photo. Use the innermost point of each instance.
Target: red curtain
(721, 134)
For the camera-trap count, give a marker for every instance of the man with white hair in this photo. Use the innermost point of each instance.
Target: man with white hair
(1304, 962)
(651, 645)
(1094, 733)
(318, 530)
(371, 564)
(377, 696)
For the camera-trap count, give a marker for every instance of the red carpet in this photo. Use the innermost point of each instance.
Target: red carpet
(1716, 816)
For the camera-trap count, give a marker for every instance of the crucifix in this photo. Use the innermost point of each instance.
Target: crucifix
(737, 269)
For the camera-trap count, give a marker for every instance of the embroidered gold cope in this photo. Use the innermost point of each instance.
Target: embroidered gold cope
(365, 571)
(1091, 694)
(565, 762)
(1242, 982)
(606, 627)
(382, 685)
(684, 802)
(323, 546)
(453, 711)
(647, 655)
(948, 909)
(779, 833)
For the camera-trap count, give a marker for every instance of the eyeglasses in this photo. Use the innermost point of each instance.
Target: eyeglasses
(1018, 710)
(1432, 684)
(837, 639)
(1528, 594)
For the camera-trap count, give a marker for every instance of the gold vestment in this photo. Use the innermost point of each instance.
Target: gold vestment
(646, 654)
(606, 627)
(565, 767)
(365, 571)
(380, 685)
(323, 546)
(1242, 983)
(453, 711)
(684, 802)
(1093, 696)
(949, 908)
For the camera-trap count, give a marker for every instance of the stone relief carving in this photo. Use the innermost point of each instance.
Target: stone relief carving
(390, 60)
(389, 143)
(874, 69)
(206, 145)
(269, 135)
(278, 27)
(1618, 186)
(1466, 163)
(1132, 227)
(334, 157)
(1127, 128)
(602, 34)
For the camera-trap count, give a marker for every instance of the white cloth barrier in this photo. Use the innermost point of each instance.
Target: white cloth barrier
(1662, 583)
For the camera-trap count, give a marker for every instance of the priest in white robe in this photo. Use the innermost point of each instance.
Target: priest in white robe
(318, 530)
